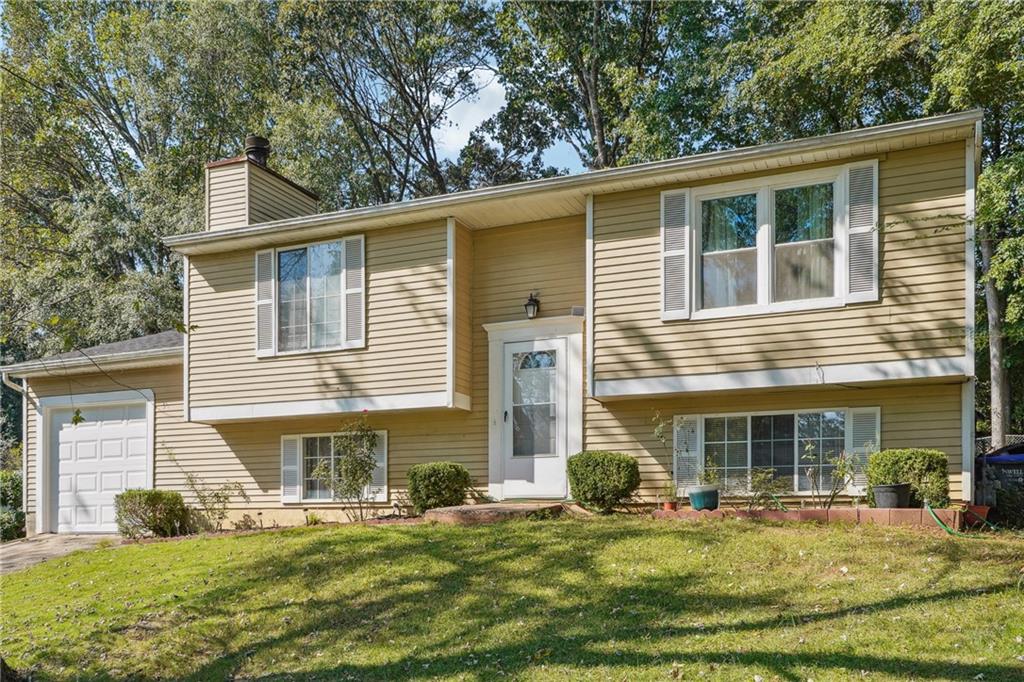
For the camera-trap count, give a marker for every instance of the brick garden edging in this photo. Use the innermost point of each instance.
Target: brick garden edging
(954, 518)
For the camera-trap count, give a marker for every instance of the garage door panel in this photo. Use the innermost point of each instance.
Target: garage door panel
(112, 449)
(85, 450)
(98, 459)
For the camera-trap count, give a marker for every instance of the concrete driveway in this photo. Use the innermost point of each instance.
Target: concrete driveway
(19, 554)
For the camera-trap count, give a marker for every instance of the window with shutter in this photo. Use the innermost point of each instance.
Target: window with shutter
(355, 296)
(862, 230)
(675, 255)
(291, 489)
(265, 324)
(378, 491)
(686, 448)
(311, 297)
(863, 436)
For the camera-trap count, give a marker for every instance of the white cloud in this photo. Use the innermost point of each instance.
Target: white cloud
(468, 114)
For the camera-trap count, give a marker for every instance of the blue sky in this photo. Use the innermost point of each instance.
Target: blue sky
(468, 114)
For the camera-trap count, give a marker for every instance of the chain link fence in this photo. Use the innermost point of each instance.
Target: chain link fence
(984, 444)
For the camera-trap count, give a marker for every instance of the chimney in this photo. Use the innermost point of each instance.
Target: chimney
(257, 149)
(244, 190)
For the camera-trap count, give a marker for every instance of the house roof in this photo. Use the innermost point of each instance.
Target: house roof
(567, 195)
(165, 348)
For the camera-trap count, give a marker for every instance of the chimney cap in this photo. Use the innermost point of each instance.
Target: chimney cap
(257, 149)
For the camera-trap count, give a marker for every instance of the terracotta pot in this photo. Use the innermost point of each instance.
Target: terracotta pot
(669, 506)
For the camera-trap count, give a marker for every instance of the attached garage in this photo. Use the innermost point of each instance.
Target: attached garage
(96, 446)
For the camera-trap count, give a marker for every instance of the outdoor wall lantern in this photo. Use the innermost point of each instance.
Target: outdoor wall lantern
(532, 306)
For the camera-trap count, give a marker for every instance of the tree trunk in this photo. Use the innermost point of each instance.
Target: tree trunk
(1000, 386)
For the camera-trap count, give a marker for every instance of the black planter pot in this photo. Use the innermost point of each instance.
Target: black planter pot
(895, 496)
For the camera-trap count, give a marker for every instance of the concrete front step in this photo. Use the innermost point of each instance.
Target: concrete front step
(471, 514)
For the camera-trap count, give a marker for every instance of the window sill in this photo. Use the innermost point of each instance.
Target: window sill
(314, 351)
(781, 307)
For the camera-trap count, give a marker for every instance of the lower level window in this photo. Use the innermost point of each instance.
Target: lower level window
(316, 451)
(797, 448)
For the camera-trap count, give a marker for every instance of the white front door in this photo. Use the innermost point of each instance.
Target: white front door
(102, 455)
(534, 429)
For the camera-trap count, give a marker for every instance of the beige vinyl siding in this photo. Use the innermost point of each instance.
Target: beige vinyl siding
(226, 197)
(463, 310)
(406, 305)
(913, 415)
(271, 198)
(920, 313)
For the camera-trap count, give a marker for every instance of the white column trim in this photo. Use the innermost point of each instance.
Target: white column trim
(589, 314)
(451, 314)
(967, 438)
(971, 169)
(187, 267)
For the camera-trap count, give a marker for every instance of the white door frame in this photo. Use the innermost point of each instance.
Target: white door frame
(45, 523)
(566, 327)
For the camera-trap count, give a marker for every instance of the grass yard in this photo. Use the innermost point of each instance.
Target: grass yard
(617, 598)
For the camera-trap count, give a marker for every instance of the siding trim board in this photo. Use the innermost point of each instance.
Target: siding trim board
(306, 408)
(450, 312)
(588, 352)
(816, 375)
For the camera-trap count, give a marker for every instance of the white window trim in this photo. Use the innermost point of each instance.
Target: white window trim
(382, 436)
(765, 188)
(345, 345)
(851, 488)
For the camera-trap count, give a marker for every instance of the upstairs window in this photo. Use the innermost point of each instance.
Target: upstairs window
(310, 297)
(775, 244)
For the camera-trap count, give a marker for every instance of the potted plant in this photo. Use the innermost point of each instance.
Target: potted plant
(704, 497)
(669, 497)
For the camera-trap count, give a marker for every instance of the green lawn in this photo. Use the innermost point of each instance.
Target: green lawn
(617, 598)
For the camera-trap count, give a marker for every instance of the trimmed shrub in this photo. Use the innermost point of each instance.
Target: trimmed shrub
(601, 480)
(10, 489)
(161, 513)
(925, 471)
(437, 484)
(12, 524)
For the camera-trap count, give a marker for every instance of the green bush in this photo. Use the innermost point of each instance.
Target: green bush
(161, 513)
(10, 489)
(601, 480)
(12, 524)
(1010, 506)
(925, 471)
(437, 484)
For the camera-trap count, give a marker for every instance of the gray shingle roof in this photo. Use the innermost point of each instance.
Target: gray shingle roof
(164, 343)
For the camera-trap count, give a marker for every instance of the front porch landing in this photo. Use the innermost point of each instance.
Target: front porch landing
(493, 512)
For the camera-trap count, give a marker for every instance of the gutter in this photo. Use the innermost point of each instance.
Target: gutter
(580, 182)
(43, 366)
(10, 384)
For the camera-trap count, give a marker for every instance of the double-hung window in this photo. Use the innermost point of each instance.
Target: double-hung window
(310, 297)
(303, 455)
(789, 242)
(798, 447)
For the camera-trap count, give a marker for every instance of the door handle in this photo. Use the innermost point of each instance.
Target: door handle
(505, 418)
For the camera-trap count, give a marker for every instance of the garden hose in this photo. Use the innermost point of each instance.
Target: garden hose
(945, 527)
(777, 501)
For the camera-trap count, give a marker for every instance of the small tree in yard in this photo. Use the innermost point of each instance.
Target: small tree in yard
(213, 500)
(349, 473)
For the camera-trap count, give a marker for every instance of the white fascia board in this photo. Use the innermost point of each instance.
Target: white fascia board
(583, 182)
(84, 365)
(779, 378)
(310, 408)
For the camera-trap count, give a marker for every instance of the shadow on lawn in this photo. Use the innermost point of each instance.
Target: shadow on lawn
(581, 614)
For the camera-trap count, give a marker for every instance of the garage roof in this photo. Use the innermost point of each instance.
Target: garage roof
(164, 348)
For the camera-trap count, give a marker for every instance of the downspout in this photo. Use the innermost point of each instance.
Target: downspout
(22, 390)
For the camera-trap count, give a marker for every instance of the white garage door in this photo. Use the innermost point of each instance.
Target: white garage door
(99, 457)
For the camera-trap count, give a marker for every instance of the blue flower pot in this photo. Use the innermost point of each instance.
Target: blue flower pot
(703, 497)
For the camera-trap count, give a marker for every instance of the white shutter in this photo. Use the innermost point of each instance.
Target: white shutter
(291, 483)
(265, 323)
(862, 231)
(378, 491)
(863, 436)
(686, 447)
(355, 292)
(675, 255)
